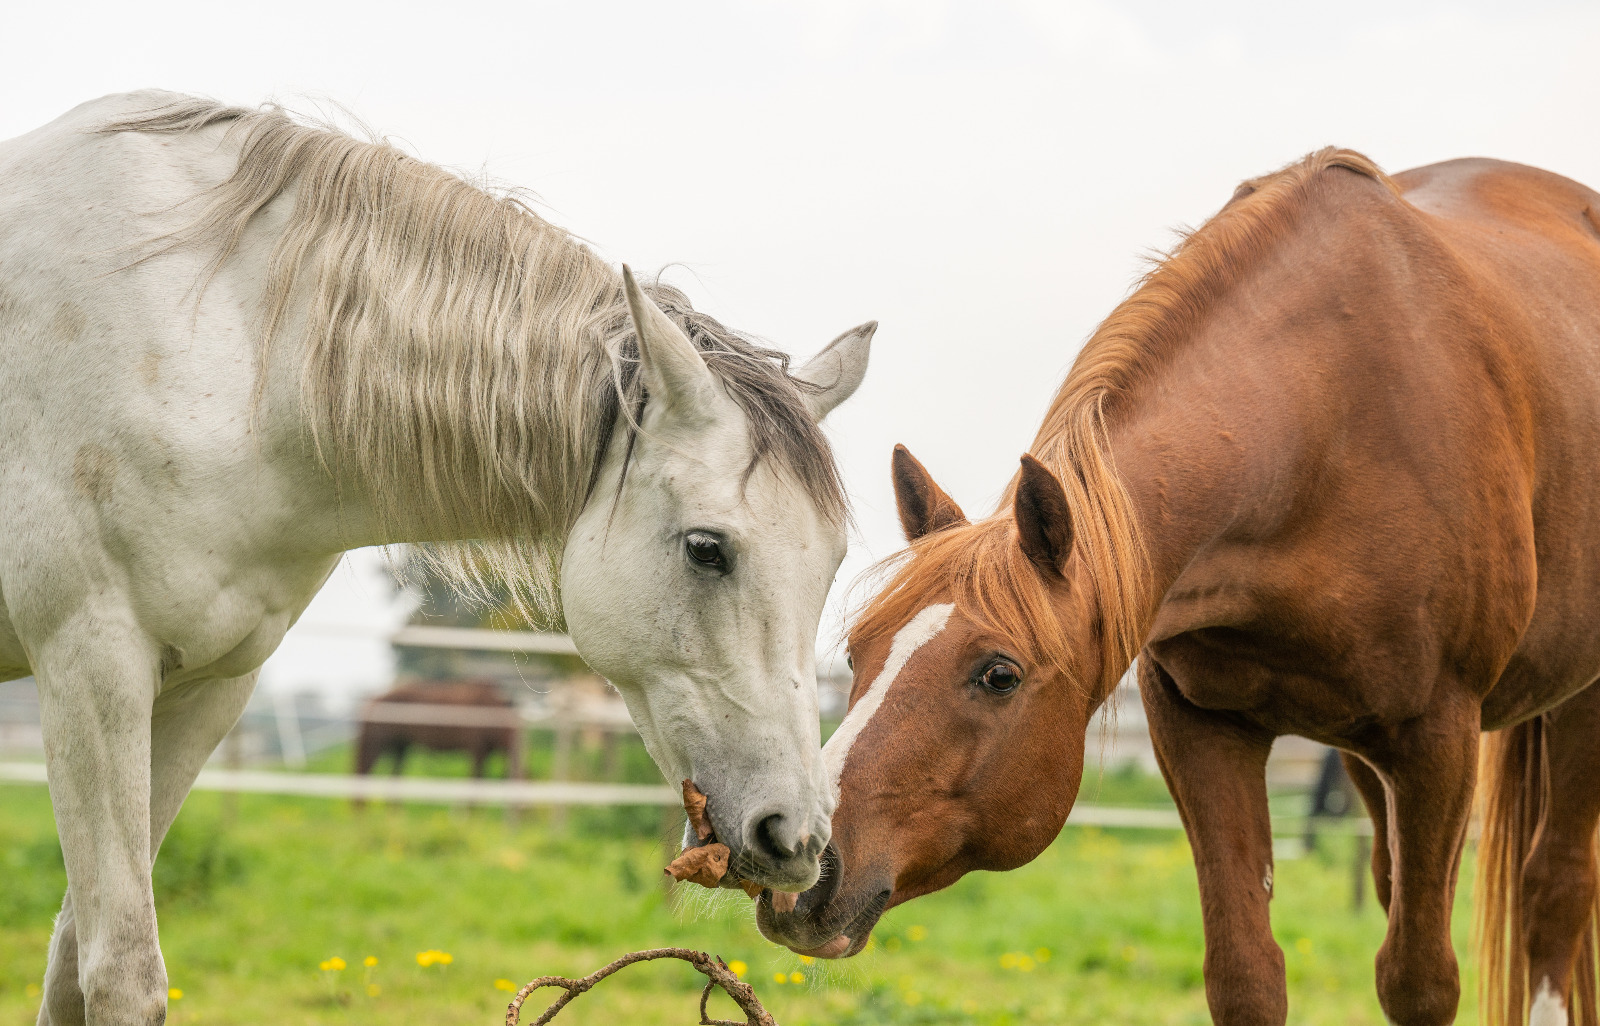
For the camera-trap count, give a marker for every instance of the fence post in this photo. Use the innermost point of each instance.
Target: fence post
(1358, 887)
(290, 743)
(561, 769)
(232, 758)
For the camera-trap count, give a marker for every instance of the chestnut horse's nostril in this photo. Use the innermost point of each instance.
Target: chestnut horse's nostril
(778, 838)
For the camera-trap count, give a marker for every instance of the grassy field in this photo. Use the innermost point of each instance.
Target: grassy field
(256, 893)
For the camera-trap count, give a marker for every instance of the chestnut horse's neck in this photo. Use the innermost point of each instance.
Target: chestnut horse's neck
(1196, 407)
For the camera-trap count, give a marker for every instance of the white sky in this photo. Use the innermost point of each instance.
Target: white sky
(979, 177)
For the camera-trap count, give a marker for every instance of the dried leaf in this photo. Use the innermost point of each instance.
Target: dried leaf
(694, 803)
(705, 865)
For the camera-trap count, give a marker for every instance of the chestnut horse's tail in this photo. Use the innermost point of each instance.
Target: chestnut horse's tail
(1514, 785)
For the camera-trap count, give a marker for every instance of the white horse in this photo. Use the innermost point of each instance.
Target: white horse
(233, 346)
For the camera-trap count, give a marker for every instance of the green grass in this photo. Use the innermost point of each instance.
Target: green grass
(253, 898)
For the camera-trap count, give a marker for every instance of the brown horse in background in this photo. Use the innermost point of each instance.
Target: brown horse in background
(1328, 471)
(479, 720)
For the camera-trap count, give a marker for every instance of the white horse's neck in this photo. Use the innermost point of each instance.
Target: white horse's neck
(448, 349)
(459, 364)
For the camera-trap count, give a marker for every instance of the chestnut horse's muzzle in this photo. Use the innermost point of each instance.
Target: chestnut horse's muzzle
(835, 917)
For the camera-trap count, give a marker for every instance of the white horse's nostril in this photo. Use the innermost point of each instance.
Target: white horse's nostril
(780, 837)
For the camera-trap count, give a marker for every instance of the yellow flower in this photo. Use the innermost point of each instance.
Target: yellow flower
(505, 985)
(336, 963)
(806, 960)
(779, 978)
(1041, 954)
(913, 997)
(174, 994)
(738, 968)
(433, 956)
(1024, 963)
(373, 990)
(1008, 960)
(916, 933)
(1303, 945)
(32, 990)
(370, 961)
(797, 977)
(444, 958)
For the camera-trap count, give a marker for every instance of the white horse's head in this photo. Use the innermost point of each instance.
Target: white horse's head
(695, 578)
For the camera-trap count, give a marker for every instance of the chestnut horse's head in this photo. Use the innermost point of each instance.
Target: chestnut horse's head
(976, 672)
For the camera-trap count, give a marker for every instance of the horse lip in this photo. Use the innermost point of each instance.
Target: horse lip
(744, 866)
(842, 941)
(853, 938)
(839, 947)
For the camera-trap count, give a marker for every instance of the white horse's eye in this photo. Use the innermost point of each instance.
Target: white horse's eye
(705, 550)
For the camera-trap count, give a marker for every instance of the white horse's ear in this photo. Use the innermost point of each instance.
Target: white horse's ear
(838, 369)
(673, 370)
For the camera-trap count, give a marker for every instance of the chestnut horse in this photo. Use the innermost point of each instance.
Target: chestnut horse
(1327, 471)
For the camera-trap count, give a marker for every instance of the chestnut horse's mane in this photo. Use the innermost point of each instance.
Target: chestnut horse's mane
(982, 564)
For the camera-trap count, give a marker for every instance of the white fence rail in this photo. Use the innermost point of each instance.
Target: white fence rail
(511, 792)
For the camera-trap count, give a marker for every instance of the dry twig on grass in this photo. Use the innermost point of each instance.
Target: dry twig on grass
(717, 975)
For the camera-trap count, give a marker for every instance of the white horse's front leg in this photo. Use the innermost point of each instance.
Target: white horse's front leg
(186, 728)
(63, 997)
(97, 685)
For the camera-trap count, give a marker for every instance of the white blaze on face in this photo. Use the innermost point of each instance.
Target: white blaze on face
(1548, 1008)
(921, 630)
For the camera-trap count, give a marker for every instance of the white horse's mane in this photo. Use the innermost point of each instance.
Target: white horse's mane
(464, 359)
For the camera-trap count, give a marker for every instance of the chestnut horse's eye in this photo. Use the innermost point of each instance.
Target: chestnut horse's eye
(1000, 678)
(850, 662)
(705, 549)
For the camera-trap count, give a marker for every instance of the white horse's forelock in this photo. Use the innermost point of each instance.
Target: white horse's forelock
(920, 630)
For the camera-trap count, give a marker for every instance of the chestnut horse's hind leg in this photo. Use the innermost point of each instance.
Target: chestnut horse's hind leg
(1558, 880)
(1431, 766)
(1216, 769)
(1370, 786)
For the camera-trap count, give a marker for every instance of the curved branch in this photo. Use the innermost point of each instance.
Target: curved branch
(717, 975)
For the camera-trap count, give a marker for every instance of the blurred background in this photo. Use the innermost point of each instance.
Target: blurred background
(984, 179)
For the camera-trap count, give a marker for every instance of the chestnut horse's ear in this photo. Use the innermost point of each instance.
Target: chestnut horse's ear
(924, 507)
(1044, 523)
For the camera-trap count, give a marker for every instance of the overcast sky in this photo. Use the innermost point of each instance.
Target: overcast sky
(981, 178)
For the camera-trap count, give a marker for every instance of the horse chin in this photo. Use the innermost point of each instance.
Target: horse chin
(827, 921)
(847, 943)
(839, 947)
